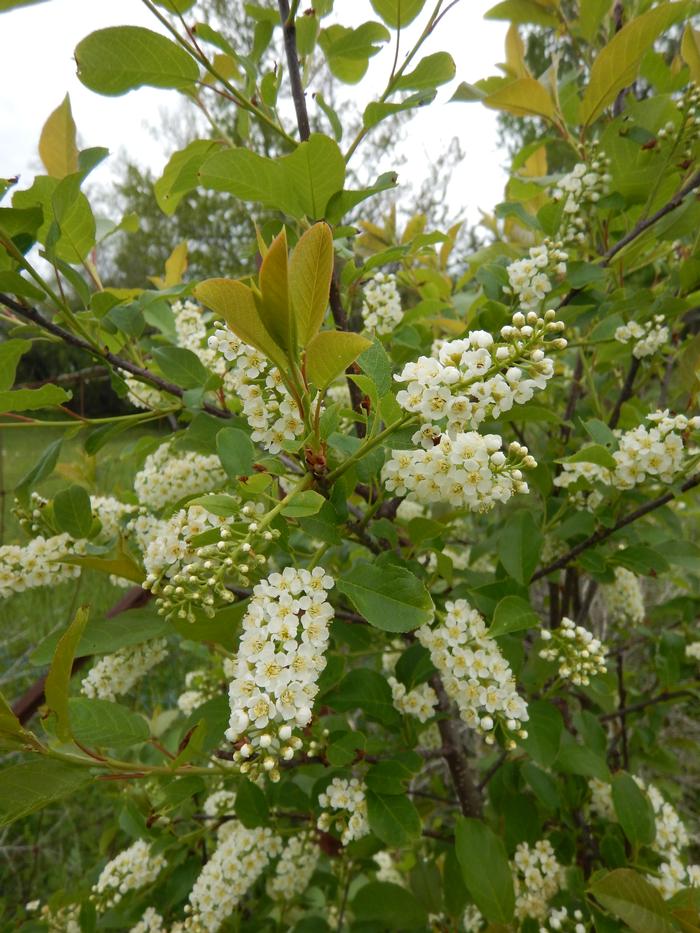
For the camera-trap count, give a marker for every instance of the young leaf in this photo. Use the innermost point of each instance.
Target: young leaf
(397, 13)
(273, 306)
(430, 72)
(234, 302)
(118, 59)
(180, 175)
(304, 504)
(57, 144)
(73, 511)
(393, 818)
(633, 809)
(690, 50)
(594, 453)
(58, 679)
(485, 869)
(523, 97)
(390, 598)
(329, 354)
(637, 903)
(310, 271)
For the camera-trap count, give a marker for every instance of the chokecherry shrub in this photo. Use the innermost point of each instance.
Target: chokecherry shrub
(411, 580)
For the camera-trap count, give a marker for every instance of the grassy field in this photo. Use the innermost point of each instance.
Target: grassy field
(57, 847)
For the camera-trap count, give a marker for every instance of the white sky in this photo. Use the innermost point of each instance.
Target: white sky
(37, 69)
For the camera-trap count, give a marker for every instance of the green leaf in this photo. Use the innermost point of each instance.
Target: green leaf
(690, 50)
(485, 869)
(524, 97)
(304, 504)
(520, 543)
(251, 806)
(523, 11)
(41, 469)
(344, 201)
(180, 175)
(12, 732)
(31, 785)
(273, 306)
(329, 354)
(75, 220)
(430, 72)
(376, 111)
(634, 900)
(73, 511)
(120, 566)
(634, 810)
(594, 453)
(6, 5)
(182, 366)
(310, 271)
(393, 818)
(105, 635)
(390, 777)
(513, 613)
(234, 302)
(544, 731)
(578, 759)
(375, 362)
(343, 747)
(32, 399)
(299, 184)
(389, 905)
(348, 50)
(218, 504)
(367, 690)
(236, 452)
(57, 684)
(390, 598)
(617, 64)
(397, 13)
(57, 144)
(101, 723)
(118, 59)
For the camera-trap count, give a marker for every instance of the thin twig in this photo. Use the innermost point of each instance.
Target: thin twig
(290, 46)
(664, 697)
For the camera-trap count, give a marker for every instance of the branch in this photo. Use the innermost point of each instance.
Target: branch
(636, 707)
(625, 392)
(340, 319)
(290, 47)
(145, 375)
(604, 533)
(467, 791)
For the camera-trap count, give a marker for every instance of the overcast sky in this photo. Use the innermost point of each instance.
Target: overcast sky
(37, 69)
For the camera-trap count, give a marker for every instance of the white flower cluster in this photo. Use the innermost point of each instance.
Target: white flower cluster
(386, 869)
(470, 471)
(624, 599)
(111, 514)
(132, 869)
(578, 653)
(560, 919)
(280, 657)
(419, 702)
(579, 190)
(345, 808)
(475, 673)
(38, 563)
(537, 876)
(529, 278)
(239, 859)
(649, 337)
(294, 870)
(475, 377)
(168, 476)
(267, 405)
(202, 685)
(64, 919)
(671, 836)
(219, 803)
(472, 919)
(692, 651)
(151, 922)
(381, 307)
(115, 674)
(644, 453)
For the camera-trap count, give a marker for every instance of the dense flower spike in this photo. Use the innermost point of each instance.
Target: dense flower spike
(649, 336)
(37, 564)
(151, 922)
(578, 654)
(538, 876)
(280, 657)
(579, 191)
(239, 859)
(529, 279)
(116, 674)
(168, 476)
(381, 307)
(132, 869)
(294, 869)
(475, 673)
(345, 809)
(419, 702)
(624, 599)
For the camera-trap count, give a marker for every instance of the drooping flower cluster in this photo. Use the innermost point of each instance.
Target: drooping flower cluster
(345, 808)
(475, 377)
(529, 278)
(280, 657)
(419, 702)
(655, 453)
(475, 673)
(577, 652)
(649, 336)
(294, 869)
(132, 869)
(579, 190)
(202, 685)
(219, 803)
(169, 475)
(670, 840)
(239, 859)
(470, 472)
(116, 674)
(151, 922)
(381, 307)
(537, 876)
(38, 563)
(624, 599)
(267, 405)
(386, 868)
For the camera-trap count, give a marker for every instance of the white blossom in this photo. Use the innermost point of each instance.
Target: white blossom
(345, 808)
(576, 651)
(649, 336)
(529, 278)
(624, 599)
(381, 307)
(579, 191)
(537, 876)
(294, 869)
(169, 475)
(134, 868)
(116, 674)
